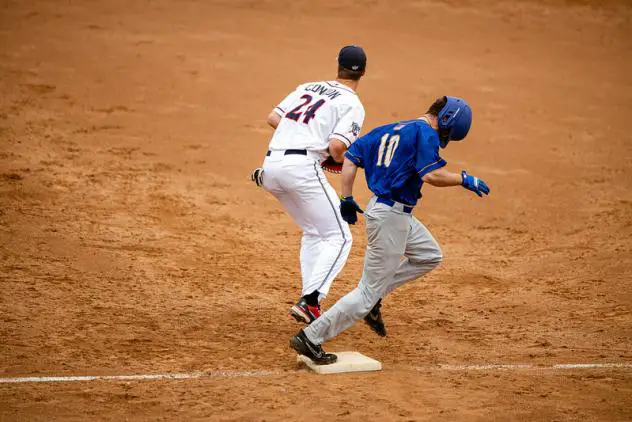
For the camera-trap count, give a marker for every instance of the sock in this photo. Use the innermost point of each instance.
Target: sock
(312, 298)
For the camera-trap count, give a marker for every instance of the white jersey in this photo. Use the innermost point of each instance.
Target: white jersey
(315, 113)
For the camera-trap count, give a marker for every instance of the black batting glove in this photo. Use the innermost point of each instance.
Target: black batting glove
(349, 209)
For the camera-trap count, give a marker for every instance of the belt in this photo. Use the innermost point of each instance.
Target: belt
(291, 152)
(390, 203)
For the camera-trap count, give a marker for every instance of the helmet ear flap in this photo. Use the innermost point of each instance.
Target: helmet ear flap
(444, 137)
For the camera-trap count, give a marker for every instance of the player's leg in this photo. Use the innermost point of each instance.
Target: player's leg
(273, 183)
(307, 308)
(326, 243)
(422, 255)
(311, 248)
(277, 173)
(272, 175)
(310, 241)
(387, 232)
(329, 249)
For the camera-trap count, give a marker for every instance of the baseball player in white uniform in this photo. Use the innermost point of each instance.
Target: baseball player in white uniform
(316, 121)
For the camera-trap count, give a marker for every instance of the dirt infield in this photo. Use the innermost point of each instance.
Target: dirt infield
(131, 241)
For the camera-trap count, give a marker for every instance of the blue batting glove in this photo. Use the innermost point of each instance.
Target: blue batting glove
(349, 209)
(474, 184)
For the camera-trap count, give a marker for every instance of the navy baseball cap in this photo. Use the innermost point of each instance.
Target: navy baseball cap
(352, 58)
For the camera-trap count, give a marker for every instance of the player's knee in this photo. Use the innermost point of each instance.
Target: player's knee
(345, 233)
(435, 261)
(348, 241)
(432, 257)
(340, 238)
(436, 257)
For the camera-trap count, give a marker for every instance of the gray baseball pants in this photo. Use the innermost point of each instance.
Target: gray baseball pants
(392, 233)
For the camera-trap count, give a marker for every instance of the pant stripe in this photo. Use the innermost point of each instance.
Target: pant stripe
(344, 238)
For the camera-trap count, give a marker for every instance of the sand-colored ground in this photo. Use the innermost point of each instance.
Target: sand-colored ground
(131, 241)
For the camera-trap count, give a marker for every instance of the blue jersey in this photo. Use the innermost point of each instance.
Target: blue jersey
(395, 157)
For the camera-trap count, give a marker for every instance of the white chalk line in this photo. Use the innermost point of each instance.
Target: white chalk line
(237, 374)
(140, 377)
(532, 366)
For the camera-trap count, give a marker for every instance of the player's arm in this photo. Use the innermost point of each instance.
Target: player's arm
(349, 171)
(337, 149)
(442, 178)
(274, 118)
(346, 131)
(349, 209)
(431, 168)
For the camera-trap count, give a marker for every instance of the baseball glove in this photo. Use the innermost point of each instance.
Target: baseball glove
(332, 166)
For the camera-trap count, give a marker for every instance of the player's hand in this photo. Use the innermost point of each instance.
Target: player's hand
(257, 176)
(349, 209)
(474, 184)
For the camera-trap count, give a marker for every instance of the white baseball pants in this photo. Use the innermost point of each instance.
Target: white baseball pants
(299, 183)
(392, 234)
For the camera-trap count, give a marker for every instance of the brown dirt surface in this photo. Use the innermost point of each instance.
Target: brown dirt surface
(131, 241)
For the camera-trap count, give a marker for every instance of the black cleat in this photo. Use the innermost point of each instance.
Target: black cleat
(302, 312)
(315, 352)
(374, 320)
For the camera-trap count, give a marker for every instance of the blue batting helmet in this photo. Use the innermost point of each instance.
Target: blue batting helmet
(454, 120)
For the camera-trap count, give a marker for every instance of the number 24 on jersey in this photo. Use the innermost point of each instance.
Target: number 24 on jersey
(310, 113)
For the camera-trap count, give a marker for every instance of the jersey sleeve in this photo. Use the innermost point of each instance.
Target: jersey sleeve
(284, 106)
(349, 126)
(428, 158)
(356, 152)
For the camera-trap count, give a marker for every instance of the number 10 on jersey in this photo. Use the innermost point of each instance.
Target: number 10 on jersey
(389, 143)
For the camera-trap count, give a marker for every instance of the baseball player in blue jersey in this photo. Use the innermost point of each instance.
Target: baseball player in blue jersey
(397, 159)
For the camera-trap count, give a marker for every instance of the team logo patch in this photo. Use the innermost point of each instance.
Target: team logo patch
(355, 129)
(355, 67)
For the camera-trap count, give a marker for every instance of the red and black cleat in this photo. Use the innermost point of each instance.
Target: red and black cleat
(302, 312)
